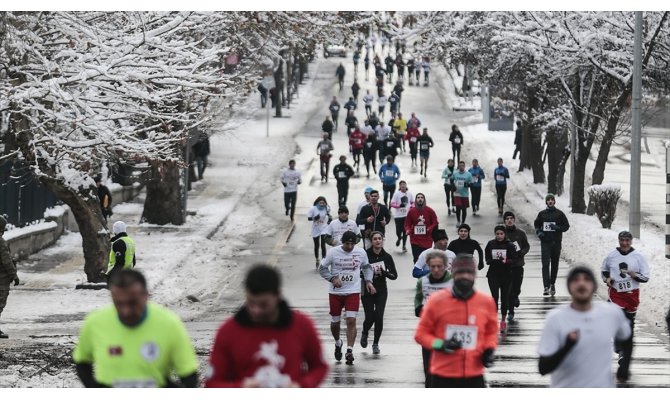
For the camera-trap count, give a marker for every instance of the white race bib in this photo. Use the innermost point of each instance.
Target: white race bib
(500, 178)
(424, 146)
(625, 285)
(388, 173)
(412, 139)
(460, 184)
(378, 267)
(516, 245)
(420, 230)
(466, 334)
(457, 140)
(475, 179)
(368, 144)
(389, 144)
(546, 226)
(341, 174)
(498, 254)
(336, 108)
(347, 277)
(324, 148)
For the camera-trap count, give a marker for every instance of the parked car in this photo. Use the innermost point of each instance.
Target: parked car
(334, 50)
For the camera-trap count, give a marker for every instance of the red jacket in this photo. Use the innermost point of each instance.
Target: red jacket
(412, 133)
(429, 220)
(357, 139)
(241, 349)
(443, 310)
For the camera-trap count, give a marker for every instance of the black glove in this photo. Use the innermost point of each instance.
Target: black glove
(467, 184)
(487, 358)
(451, 345)
(540, 234)
(553, 227)
(316, 217)
(16, 281)
(417, 311)
(283, 184)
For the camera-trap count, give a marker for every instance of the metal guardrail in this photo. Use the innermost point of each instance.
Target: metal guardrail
(22, 198)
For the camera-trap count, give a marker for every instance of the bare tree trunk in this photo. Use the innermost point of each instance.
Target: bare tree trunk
(279, 78)
(608, 138)
(534, 136)
(557, 141)
(163, 204)
(95, 238)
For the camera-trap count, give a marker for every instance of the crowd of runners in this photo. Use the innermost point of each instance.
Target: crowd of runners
(269, 344)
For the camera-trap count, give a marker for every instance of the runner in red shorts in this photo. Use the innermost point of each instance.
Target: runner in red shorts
(342, 268)
(623, 270)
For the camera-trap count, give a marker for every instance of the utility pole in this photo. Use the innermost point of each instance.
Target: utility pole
(667, 199)
(636, 142)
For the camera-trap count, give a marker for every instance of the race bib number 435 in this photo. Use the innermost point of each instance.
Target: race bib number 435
(466, 334)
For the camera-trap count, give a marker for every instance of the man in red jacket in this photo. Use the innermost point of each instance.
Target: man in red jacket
(420, 222)
(460, 326)
(266, 344)
(356, 142)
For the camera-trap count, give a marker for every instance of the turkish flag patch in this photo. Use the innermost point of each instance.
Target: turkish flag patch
(115, 351)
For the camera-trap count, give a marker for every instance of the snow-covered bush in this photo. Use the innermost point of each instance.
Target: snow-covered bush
(605, 197)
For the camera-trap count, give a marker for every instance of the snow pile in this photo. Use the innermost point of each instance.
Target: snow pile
(37, 226)
(56, 211)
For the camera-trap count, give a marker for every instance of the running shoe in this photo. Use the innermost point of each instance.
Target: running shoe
(318, 263)
(375, 349)
(517, 303)
(448, 211)
(546, 292)
(397, 243)
(503, 326)
(552, 290)
(510, 316)
(404, 249)
(364, 339)
(349, 357)
(338, 352)
(3, 335)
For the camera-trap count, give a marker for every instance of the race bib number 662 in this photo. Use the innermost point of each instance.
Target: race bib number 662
(466, 334)
(347, 278)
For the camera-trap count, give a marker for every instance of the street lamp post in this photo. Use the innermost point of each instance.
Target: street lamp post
(268, 83)
(636, 143)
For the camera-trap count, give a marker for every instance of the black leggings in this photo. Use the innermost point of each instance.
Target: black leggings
(476, 196)
(389, 191)
(515, 291)
(416, 252)
(400, 230)
(456, 151)
(413, 150)
(450, 194)
(550, 256)
(357, 159)
(500, 191)
(374, 306)
(290, 198)
(500, 283)
(425, 354)
(370, 158)
(321, 238)
(461, 214)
